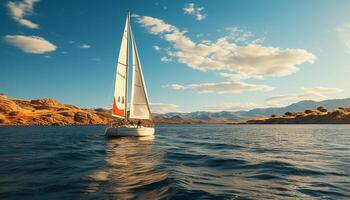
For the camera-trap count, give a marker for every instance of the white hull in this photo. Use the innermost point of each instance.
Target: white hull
(129, 131)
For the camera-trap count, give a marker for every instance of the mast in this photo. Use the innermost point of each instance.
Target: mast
(127, 68)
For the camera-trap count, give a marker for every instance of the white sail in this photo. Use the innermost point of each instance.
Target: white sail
(139, 106)
(120, 89)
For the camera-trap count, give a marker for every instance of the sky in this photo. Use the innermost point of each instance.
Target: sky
(196, 55)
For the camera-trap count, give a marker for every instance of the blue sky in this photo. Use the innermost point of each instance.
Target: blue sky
(196, 55)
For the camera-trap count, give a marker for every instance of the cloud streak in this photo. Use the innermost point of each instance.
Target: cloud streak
(85, 46)
(229, 106)
(161, 108)
(30, 44)
(165, 59)
(220, 88)
(315, 93)
(157, 48)
(344, 35)
(22, 9)
(239, 76)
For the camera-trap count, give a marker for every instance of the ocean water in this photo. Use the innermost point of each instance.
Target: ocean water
(180, 162)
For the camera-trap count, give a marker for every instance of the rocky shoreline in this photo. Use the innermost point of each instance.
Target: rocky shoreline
(49, 112)
(319, 116)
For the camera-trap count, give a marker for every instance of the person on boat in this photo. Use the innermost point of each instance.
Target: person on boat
(139, 124)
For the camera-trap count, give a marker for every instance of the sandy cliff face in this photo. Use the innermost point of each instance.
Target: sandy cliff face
(47, 112)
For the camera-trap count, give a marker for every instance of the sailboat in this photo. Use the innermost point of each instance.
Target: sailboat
(139, 104)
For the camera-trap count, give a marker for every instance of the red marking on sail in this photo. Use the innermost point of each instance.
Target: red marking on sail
(116, 111)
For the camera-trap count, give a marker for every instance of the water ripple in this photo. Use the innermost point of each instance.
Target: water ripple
(181, 162)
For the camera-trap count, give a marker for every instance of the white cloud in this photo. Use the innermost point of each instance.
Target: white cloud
(164, 108)
(30, 44)
(199, 35)
(221, 88)
(315, 93)
(279, 98)
(241, 36)
(238, 106)
(165, 59)
(19, 10)
(230, 106)
(258, 40)
(154, 25)
(344, 35)
(28, 23)
(240, 76)
(174, 87)
(192, 9)
(135, 15)
(157, 48)
(237, 34)
(322, 90)
(85, 46)
(223, 55)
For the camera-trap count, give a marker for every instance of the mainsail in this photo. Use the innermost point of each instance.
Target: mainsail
(120, 88)
(139, 107)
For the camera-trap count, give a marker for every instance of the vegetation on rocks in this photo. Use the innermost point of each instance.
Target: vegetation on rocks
(47, 112)
(321, 115)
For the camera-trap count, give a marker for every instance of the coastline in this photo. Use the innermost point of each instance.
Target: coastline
(49, 112)
(320, 116)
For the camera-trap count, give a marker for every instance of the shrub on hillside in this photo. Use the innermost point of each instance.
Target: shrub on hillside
(273, 115)
(299, 115)
(321, 109)
(308, 111)
(288, 114)
(44, 107)
(324, 110)
(13, 113)
(338, 112)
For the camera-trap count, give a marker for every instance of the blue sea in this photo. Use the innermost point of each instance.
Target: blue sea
(180, 162)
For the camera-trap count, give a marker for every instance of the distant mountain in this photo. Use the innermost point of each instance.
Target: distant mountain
(297, 107)
(199, 117)
(227, 117)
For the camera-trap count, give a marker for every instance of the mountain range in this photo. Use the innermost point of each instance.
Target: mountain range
(227, 116)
